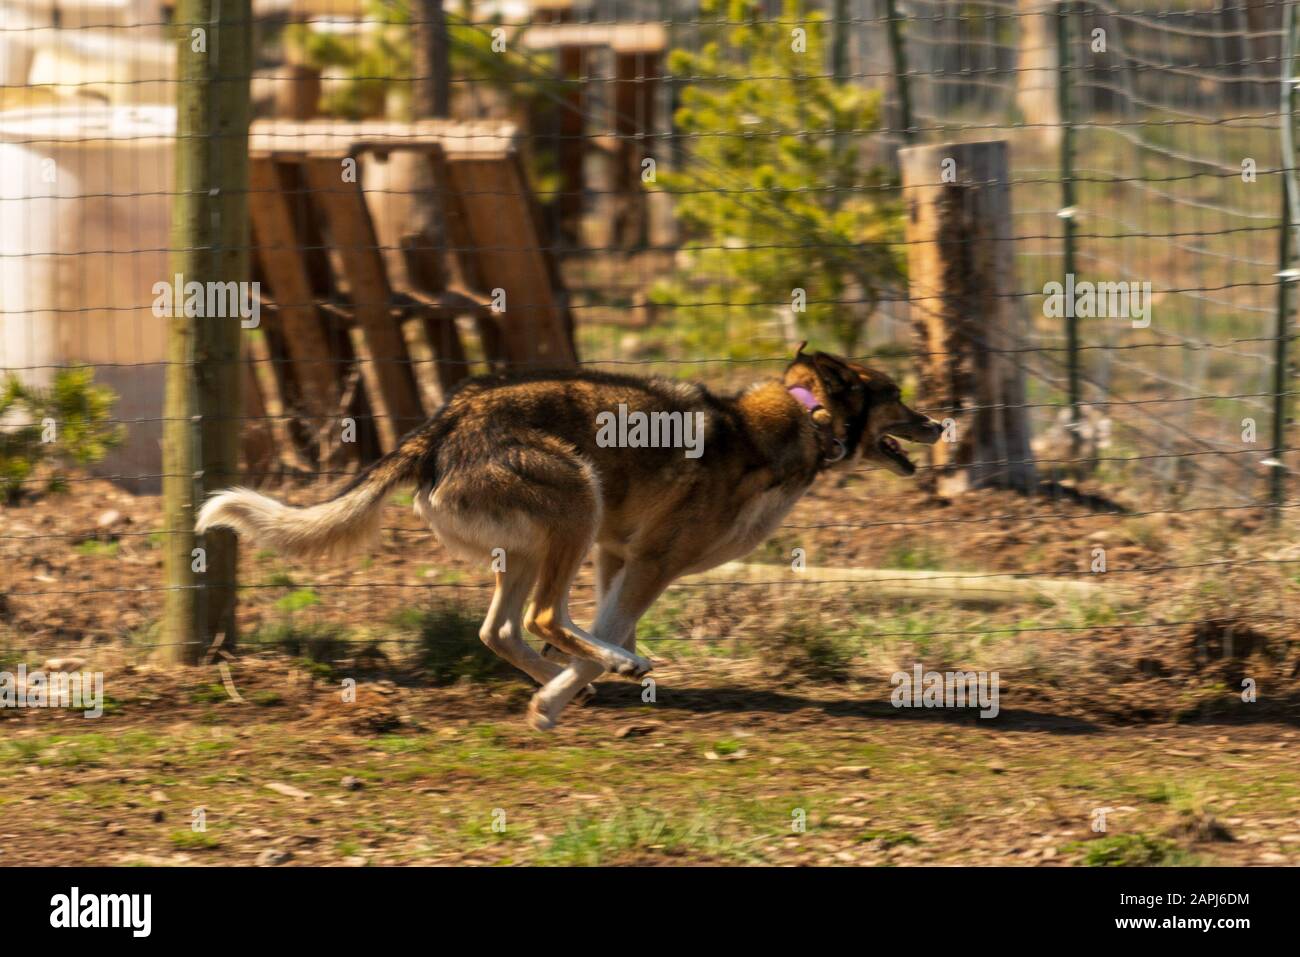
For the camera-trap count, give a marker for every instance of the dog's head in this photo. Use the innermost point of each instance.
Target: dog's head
(863, 408)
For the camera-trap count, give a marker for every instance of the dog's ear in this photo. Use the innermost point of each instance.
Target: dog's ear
(828, 377)
(837, 377)
(801, 370)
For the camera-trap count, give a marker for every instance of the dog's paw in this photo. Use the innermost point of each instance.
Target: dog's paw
(631, 666)
(584, 696)
(538, 719)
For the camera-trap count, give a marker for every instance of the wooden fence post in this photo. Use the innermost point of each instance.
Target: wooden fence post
(209, 241)
(966, 312)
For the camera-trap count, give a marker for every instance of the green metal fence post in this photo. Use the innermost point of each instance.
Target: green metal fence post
(898, 51)
(1067, 211)
(1282, 329)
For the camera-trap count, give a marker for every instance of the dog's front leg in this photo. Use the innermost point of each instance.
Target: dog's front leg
(630, 595)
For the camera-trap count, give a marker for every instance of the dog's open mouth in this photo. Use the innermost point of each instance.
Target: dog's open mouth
(888, 447)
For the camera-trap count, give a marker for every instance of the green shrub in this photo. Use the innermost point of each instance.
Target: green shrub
(68, 424)
(448, 644)
(311, 642)
(777, 195)
(799, 649)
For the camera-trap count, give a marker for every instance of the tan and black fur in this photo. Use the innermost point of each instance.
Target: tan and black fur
(513, 463)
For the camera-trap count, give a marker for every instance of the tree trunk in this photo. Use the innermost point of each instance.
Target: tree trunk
(966, 312)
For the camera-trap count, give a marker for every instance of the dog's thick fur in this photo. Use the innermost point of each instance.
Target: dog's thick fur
(514, 464)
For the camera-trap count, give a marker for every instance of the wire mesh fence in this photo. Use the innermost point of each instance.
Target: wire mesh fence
(433, 190)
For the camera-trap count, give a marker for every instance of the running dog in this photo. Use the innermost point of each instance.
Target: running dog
(533, 465)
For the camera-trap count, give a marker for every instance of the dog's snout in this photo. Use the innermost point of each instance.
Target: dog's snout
(921, 429)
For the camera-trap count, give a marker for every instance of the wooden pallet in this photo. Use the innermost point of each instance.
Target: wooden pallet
(638, 51)
(353, 328)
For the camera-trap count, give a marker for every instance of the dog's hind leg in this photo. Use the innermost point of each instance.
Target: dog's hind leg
(607, 566)
(503, 631)
(549, 618)
(632, 591)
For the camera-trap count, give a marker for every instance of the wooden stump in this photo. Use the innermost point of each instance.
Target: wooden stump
(966, 315)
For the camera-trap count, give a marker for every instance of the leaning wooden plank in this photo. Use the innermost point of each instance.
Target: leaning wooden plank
(257, 440)
(507, 242)
(385, 362)
(976, 587)
(279, 251)
(550, 263)
(450, 362)
(460, 240)
(271, 392)
(447, 362)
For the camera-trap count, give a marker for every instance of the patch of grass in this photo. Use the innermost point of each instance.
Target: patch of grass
(317, 669)
(631, 834)
(401, 744)
(193, 840)
(889, 839)
(914, 556)
(1129, 850)
(214, 693)
(94, 548)
(448, 645)
(85, 751)
(799, 649)
(111, 705)
(145, 636)
(1159, 793)
(11, 659)
(267, 698)
(1097, 615)
(725, 746)
(665, 620)
(314, 642)
(1147, 533)
(25, 749)
(280, 579)
(297, 600)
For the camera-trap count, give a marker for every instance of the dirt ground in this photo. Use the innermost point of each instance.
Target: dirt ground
(771, 737)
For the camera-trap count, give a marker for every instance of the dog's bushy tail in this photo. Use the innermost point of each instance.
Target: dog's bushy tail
(349, 519)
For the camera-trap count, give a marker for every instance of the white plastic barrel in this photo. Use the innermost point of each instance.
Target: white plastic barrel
(84, 220)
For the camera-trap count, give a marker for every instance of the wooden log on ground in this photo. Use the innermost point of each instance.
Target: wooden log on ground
(964, 587)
